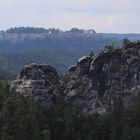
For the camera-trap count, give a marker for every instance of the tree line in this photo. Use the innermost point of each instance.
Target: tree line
(23, 119)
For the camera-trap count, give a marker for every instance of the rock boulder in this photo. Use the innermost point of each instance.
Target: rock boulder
(39, 81)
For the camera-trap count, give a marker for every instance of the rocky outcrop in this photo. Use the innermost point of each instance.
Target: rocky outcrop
(39, 81)
(108, 81)
(81, 68)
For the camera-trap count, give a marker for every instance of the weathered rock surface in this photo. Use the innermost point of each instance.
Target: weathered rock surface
(108, 81)
(39, 81)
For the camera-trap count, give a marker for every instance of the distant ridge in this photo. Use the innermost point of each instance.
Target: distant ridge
(49, 30)
(21, 45)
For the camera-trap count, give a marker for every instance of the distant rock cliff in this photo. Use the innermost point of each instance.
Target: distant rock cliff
(108, 81)
(21, 34)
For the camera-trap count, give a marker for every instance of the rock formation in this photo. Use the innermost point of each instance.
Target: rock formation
(108, 81)
(39, 81)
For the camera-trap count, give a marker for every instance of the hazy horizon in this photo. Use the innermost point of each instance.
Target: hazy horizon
(104, 16)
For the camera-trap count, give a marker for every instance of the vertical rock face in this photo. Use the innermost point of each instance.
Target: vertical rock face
(81, 68)
(109, 81)
(39, 81)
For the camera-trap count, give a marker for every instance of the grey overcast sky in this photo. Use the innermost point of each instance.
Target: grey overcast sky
(120, 16)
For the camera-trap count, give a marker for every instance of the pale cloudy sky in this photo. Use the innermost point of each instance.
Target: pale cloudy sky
(121, 16)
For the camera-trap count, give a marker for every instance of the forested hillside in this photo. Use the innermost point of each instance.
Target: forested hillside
(23, 119)
(23, 45)
(23, 116)
(19, 46)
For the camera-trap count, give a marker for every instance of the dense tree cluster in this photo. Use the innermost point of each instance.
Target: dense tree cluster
(42, 30)
(31, 30)
(23, 119)
(20, 118)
